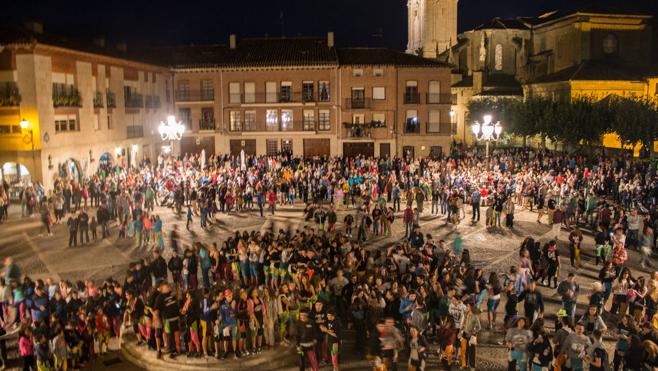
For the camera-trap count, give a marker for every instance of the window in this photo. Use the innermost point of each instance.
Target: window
(357, 72)
(309, 119)
(610, 44)
(249, 92)
(270, 92)
(285, 92)
(411, 123)
(323, 120)
(286, 146)
(183, 91)
(234, 92)
(207, 118)
(185, 116)
(323, 91)
(434, 95)
(64, 123)
(379, 93)
(411, 93)
(272, 147)
(434, 124)
(207, 89)
(498, 57)
(358, 98)
(235, 123)
(379, 119)
(109, 122)
(358, 118)
(272, 120)
(378, 72)
(286, 120)
(307, 91)
(249, 120)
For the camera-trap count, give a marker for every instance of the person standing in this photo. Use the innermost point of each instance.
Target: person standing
(83, 226)
(72, 225)
(408, 218)
(558, 218)
(575, 347)
(508, 207)
(569, 290)
(517, 339)
(306, 339)
(332, 330)
(475, 204)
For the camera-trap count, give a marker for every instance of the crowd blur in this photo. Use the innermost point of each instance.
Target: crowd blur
(327, 279)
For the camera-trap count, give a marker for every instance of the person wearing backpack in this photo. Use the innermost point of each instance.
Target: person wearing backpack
(597, 356)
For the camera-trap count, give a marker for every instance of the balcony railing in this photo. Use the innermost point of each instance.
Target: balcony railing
(152, 101)
(275, 97)
(9, 94)
(411, 98)
(237, 127)
(195, 95)
(207, 124)
(66, 96)
(134, 131)
(444, 128)
(135, 101)
(110, 99)
(98, 100)
(433, 98)
(357, 103)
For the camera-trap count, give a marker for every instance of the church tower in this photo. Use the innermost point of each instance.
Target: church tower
(432, 26)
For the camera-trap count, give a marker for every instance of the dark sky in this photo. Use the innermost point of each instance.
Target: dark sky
(168, 22)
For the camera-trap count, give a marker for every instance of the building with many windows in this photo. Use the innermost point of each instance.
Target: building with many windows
(87, 105)
(83, 106)
(306, 97)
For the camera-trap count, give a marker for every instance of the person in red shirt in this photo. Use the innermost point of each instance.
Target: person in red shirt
(271, 199)
(102, 331)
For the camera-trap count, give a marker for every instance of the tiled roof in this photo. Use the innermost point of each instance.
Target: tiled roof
(591, 8)
(262, 52)
(380, 56)
(501, 80)
(597, 70)
(11, 35)
(503, 24)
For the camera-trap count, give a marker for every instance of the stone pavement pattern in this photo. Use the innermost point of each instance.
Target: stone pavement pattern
(49, 256)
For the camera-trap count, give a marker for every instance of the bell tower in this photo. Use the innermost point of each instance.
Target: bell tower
(432, 26)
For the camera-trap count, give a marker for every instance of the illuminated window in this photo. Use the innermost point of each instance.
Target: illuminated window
(498, 57)
(610, 44)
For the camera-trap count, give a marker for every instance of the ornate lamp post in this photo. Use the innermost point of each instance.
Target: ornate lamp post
(487, 131)
(171, 130)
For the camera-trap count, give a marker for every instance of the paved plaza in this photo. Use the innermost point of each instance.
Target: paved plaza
(41, 256)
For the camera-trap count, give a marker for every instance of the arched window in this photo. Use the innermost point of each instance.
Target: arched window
(498, 57)
(610, 44)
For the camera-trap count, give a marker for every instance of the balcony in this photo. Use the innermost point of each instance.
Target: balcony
(9, 94)
(432, 98)
(153, 101)
(110, 99)
(195, 95)
(66, 96)
(358, 103)
(207, 124)
(276, 97)
(98, 100)
(134, 100)
(134, 131)
(443, 128)
(411, 98)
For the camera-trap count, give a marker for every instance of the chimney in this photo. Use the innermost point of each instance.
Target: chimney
(122, 47)
(99, 41)
(477, 82)
(330, 39)
(34, 26)
(232, 41)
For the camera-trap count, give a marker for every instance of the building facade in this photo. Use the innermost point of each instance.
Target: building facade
(431, 26)
(84, 108)
(306, 97)
(591, 51)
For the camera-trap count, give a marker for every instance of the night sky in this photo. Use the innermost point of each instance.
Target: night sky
(380, 23)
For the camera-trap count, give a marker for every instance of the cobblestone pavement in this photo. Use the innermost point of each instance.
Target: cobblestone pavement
(49, 256)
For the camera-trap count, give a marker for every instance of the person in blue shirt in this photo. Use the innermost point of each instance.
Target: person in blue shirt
(229, 324)
(407, 305)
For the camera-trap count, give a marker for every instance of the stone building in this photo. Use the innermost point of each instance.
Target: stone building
(86, 104)
(590, 51)
(431, 26)
(308, 97)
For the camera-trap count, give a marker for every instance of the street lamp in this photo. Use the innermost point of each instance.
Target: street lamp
(487, 131)
(24, 125)
(171, 130)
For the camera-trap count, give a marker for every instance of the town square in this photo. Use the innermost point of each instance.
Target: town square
(443, 186)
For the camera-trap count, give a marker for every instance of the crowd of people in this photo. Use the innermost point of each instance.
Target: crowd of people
(311, 285)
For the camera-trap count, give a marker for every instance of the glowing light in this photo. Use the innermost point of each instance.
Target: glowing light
(171, 130)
